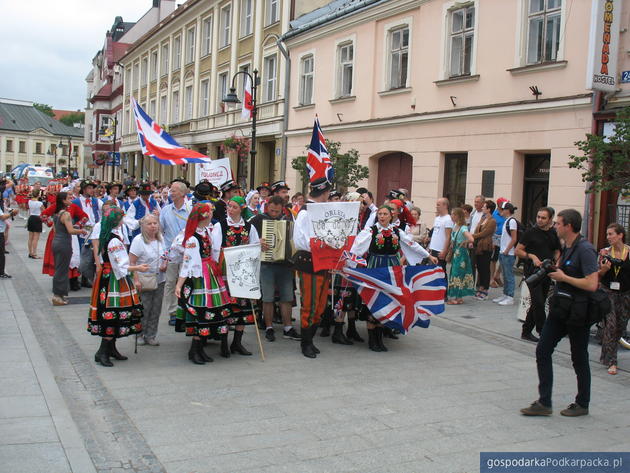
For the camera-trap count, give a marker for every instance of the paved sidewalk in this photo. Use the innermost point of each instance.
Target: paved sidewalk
(431, 404)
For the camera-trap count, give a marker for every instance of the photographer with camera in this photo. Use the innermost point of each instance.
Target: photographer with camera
(614, 271)
(539, 243)
(576, 276)
(4, 216)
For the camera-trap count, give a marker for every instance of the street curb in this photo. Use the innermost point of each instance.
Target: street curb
(68, 433)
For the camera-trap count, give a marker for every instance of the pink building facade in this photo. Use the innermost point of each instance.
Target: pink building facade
(451, 98)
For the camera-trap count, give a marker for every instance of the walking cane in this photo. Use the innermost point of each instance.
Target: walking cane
(135, 348)
(262, 352)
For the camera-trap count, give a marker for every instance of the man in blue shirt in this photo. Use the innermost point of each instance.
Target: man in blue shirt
(173, 219)
(495, 269)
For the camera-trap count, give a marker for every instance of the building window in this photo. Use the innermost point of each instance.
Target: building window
(38, 148)
(163, 108)
(270, 78)
(175, 107)
(9, 147)
(152, 104)
(241, 79)
(306, 80)
(75, 150)
(177, 53)
(461, 40)
(543, 30)
(247, 10)
(205, 97)
(226, 17)
(207, 36)
(223, 87)
(165, 59)
(271, 12)
(143, 71)
(189, 102)
(154, 65)
(22, 147)
(127, 79)
(190, 46)
(398, 57)
(345, 55)
(136, 74)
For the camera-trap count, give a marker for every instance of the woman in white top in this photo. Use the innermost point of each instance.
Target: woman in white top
(148, 248)
(34, 223)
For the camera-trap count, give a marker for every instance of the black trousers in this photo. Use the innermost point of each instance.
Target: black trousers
(483, 269)
(554, 330)
(2, 256)
(536, 314)
(442, 263)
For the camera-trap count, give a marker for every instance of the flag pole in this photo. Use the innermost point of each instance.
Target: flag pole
(262, 352)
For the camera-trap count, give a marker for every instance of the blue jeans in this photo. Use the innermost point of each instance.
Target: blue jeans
(507, 266)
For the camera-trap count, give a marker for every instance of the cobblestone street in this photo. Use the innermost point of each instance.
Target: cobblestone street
(431, 404)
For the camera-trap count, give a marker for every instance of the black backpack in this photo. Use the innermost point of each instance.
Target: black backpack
(519, 229)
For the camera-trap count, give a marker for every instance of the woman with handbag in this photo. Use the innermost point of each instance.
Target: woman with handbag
(148, 248)
(614, 272)
(484, 248)
(115, 308)
(461, 282)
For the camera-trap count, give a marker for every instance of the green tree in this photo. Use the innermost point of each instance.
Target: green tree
(348, 171)
(605, 161)
(72, 118)
(42, 107)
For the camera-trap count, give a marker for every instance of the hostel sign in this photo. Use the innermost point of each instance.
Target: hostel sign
(604, 42)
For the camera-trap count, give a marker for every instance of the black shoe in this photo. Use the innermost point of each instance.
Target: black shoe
(193, 353)
(6, 252)
(379, 338)
(352, 333)
(202, 354)
(306, 343)
(338, 336)
(530, 337)
(236, 346)
(5, 276)
(102, 355)
(270, 335)
(315, 327)
(113, 351)
(225, 351)
(390, 333)
(75, 285)
(292, 334)
(372, 345)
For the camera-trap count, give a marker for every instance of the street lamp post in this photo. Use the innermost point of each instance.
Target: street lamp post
(59, 146)
(114, 150)
(232, 98)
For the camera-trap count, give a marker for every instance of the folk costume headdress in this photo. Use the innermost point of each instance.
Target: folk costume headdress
(199, 212)
(111, 218)
(403, 212)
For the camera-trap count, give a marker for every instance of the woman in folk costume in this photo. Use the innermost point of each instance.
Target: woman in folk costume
(383, 243)
(22, 193)
(79, 219)
(235, 231)
(203, 298)
(115, 309)
(253, 205)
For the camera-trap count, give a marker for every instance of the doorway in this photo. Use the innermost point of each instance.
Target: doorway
(394, 172)
(536, 186)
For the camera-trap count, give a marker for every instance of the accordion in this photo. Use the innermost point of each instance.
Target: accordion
(275, 234)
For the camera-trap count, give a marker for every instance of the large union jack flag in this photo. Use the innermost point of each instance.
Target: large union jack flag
(401, 297)
(318, 159)
(161, 146)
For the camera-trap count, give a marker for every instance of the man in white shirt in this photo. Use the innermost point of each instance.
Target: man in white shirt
(441, 236)
(506, 255)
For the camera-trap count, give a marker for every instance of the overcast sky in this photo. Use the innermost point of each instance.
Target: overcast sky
(48, 46)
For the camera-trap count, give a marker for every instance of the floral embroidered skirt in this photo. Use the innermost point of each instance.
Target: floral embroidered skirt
(204, 304)
(461, 282)
(115, 308)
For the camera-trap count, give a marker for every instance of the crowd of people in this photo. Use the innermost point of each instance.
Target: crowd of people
(147, 250)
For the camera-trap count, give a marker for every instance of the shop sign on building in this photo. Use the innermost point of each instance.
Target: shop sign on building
(603, 46)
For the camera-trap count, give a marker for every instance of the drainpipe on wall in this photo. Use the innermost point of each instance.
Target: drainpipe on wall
(285, 117)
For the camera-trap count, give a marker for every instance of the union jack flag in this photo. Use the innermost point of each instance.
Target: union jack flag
(346, 255)
(318, 160)
(401, 297)
(161, 146)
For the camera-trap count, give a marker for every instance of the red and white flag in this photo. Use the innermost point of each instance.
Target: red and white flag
(248, 104)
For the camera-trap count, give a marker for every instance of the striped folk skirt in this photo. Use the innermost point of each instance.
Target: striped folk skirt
(115, 308)
(204, 304)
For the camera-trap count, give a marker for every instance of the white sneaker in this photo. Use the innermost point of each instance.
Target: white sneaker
(507, 301)
(499, 299)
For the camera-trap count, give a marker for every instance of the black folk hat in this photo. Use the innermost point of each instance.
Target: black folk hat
(229, 185)
(276, 186)
(319, 186)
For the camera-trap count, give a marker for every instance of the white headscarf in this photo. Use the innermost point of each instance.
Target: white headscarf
(249, 196)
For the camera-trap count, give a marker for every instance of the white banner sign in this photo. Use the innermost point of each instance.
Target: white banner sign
(601, 73)
(216, 172)
(334, 222)
(243, 271)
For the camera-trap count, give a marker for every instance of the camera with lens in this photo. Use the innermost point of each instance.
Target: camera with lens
(612, 260)
(545, 268)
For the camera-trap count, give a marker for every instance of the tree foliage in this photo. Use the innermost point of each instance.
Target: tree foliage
(605, 161)
(71, 118)
(348, 171)
(42, 107)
